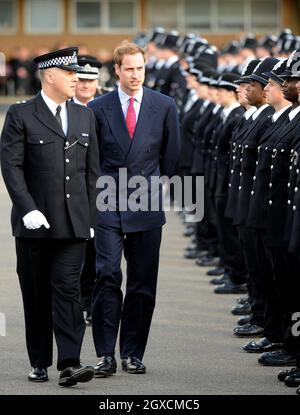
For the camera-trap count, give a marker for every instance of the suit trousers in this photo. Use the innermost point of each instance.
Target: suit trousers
(49, 276)
(109, 311)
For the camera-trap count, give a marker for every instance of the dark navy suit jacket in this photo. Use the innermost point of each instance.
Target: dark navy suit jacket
(153, 151)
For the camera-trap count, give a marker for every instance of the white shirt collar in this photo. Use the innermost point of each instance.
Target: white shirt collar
(51, 104)
(227, 110)
(216, 108)
(125, 98)
(277, 114)
(249, 112)
(260, 110)
(294, 112)
(170, 61)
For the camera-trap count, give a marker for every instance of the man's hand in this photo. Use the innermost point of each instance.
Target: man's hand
(34, 220)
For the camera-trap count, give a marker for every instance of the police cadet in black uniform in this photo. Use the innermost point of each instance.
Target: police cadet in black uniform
(248, 151)
(235, 272)
(50, 164)
(259, 207)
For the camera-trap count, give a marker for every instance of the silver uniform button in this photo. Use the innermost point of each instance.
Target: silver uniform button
(270, 185)
(270, 202)
(290, 167)
(271, 166)
(289, 185)
(241, 174)
(288, 202)
(240, 187)
(297, 171)
(86, 144)
(266, 148)
(67, 143)
(296, 189)
(254, 178)
(68, 196)
(229, 185)
(252, 192)
(294, 207)
(41, 141)
(67, 161)
(256, 162)
(233, 157)
(67, 177)
(282, 150)
(231, 171)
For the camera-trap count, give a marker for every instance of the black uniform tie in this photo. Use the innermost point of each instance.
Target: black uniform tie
(58, 117)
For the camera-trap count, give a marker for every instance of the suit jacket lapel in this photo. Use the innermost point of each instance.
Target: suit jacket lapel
(144, 124)
(45, 116)
(115, 118)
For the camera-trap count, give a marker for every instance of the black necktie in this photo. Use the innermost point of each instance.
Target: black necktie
(58, 117)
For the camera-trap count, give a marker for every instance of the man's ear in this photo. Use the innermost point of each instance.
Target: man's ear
(117, 69)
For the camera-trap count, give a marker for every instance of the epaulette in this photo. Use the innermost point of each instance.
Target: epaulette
(21, 102)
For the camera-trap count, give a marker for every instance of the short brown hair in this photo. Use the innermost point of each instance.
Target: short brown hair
(126, 48)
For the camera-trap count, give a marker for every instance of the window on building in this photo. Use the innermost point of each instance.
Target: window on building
(215, 15)
(104, 15)
(7, 15)
(44, 16)
(230, 15)
(264, 14)
(197, 14)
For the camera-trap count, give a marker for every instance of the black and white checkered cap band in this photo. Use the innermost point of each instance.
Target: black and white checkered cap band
(59, 61)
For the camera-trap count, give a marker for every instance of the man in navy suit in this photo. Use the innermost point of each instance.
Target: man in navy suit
(138, 132)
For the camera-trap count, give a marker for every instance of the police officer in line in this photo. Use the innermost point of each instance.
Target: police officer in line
(50, 164)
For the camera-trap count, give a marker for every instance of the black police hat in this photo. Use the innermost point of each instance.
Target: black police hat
(292, 66)
(226, 81)
(157, 34)
(89, 67)
(288, 44)
(247, 71)
(276, 72)
(248, 42)
(207, 76)
(268, 42)
(231, 48)
(265, 65)
(63, 58)
(169, 41)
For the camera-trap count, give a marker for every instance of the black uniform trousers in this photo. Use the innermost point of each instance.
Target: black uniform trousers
(141, 251)
(49, 275)
(88, 276)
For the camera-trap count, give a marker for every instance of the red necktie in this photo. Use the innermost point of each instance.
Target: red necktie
(131, 118)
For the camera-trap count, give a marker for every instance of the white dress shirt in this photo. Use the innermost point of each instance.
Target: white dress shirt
(294, 112)
(53, 106)
(249, 112)
(277, 114)
(258, 111)
(125, 99)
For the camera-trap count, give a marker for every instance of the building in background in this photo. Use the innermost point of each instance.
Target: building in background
(103, 23)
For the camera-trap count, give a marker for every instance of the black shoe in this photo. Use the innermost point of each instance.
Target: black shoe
(262, 345)
(247, 330)
(191, 253)
(106, 366)
(216, 271)
(38, 375)
(244, 299)
(283, 374)
(231, 288)
(208, 261)
(220, 280)
(277, 358)
(133, 365)
(293, 379)
(241, 309)
(243, 320)
(72, 375)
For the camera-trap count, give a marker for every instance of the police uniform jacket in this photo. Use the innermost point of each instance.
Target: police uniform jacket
(45, 170)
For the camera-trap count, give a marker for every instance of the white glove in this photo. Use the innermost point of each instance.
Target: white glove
(92, 232)
(34, 220)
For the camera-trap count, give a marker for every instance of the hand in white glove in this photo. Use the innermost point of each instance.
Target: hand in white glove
(34, 220)
(92, 232)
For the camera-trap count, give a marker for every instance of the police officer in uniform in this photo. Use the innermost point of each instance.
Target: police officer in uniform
(49, 160)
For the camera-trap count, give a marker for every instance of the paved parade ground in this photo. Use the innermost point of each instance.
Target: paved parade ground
(191, 349)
